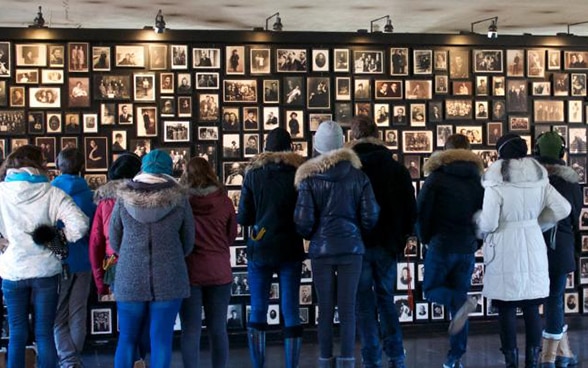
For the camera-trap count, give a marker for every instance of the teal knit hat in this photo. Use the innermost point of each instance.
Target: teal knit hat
(157, 162)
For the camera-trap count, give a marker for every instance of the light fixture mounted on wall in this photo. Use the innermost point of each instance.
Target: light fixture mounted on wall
(575, 24)
(492, 28)
(277, 27)
(159, 22)
(39, 21)
(388, 28)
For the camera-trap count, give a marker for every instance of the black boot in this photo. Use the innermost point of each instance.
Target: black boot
(532, 356)
(511, 358)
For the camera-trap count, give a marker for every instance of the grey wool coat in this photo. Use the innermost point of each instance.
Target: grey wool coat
(152, 230)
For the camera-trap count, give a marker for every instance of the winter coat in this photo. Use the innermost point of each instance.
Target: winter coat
(335, 204)
(448, 200)
(268, 199)
(216, 229)
(105, 197)
(394, 193)
(518, 203)
(152, 230)
(565, 180)
(23, 207)
(76, 187)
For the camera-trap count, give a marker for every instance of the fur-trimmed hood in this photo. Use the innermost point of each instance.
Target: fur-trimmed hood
(201, 192)
(149, 203)
(324, 162)
(524, 172)
(565, 172)
(442, 158)
(366, 140)
(109, 190)
(284, 158)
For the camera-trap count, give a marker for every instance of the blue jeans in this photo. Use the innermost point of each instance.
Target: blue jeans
(70, 321)
(554, 307)
(375, 294)
(447, 281)
(42, 293)
(131, 317)
(340, 288)
(215, 300)
(260, 280)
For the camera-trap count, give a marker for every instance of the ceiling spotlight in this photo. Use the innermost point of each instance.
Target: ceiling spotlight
(159, 22)
(39, 21)
(388, 28)
(492, 28)
(277, 27)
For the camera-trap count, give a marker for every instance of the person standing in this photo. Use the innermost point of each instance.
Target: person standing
(152, 230)
(394, 193)
(70, 322)
(447, 202)
(562, 243)
(518, 204)
(335, 205)
(209, 265)
(267, 202)
(29, 271)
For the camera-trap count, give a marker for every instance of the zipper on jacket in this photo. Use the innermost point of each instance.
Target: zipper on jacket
(151, 288)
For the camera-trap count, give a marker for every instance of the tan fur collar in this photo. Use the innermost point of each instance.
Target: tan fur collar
(441, 158)
(370, 140)
(322, 163)
(109, 190)
(565, 172)
(266, 158)
(168, 197)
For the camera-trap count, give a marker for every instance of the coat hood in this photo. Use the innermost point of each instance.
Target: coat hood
(442, 158)
(524, 172)
(324, 162)
(23, 192)
(367, 140)
(203, 200)
(283, 158)
(71, 184)
(558, 168)
(109, 190)
(148, 203)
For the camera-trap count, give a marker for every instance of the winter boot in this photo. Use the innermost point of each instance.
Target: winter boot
(532, 356)
(511, 358)
(292, 347)
(548, 352)
(345, 362)
(256, 339)
(326, 362)
(565, 357)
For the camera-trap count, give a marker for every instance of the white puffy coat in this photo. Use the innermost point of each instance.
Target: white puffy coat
(24, 206)
(518, 203)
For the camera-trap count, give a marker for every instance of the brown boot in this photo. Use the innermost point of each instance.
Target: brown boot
(565, 356)
(30, 357)
(548, 352)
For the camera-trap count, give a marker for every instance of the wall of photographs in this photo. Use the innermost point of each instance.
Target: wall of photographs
(217, 94)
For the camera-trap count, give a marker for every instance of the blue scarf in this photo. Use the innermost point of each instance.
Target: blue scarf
(25, 176)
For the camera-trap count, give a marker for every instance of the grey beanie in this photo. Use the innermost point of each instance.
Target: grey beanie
(328, 137)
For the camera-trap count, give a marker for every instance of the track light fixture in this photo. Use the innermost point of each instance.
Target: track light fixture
(277, 27)
(159, 22)
(575, 24)
(39, 21)
(492, 28)
(388, 28)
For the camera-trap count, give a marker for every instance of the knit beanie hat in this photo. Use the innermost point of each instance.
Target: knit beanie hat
(328, 137)
(126, 166)
(511, 146)
(278, 140)
(157, 162)
(550, 145)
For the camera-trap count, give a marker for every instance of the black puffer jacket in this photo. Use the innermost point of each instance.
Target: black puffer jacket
(394, 193)
(268, 198)
(566, 181)
(335, 204)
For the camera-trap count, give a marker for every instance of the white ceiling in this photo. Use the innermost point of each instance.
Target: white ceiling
(538, 17)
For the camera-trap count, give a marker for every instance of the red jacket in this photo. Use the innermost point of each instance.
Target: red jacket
(216, 228)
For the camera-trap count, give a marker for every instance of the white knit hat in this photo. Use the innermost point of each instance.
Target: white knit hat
(328, 137)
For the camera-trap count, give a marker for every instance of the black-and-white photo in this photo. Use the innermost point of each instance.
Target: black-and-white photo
(112, 87)
(5, 60)
(52, 76)
(405, 276)
(208, 107)
(158, 57)
(341, 60)
(535, 63)
(235, 317)
(238, 255)
(53, 123)
(417, 141)
(27, 76)
(306, 273)
(435, 111)
(423, 61)
(548, 111)
(318, 93)
(572, 305)
(184, 84)
(180, 157)
(44, 97)
(487, 61)
(320, 60)
(101, 59)
(440, 63)
(232, 146)
(478, 274)
(166, 83)
(48, 147)
(140, 147)
(293, 91)
(79, 56)
(146, 121)
(96, 151)
(179, 57)
(208, 133)
(17, 97)
(240, 284)
(458, 109)
(368, 62)
(422, 311)
(36, 122)
(295, 123)
(306, 294)
(251, 142)
(515, 60)
(399, 115)
(167, 106)
(473, 133)
(78, 92)
(271, 118)
(234, 173)
(399, 61)
(343, 89)
(144, 87)
(207, 81)
(388, 89)
(437, 311)
(129, 56)
(419, 89)
(273, 314)
(240, 90)
(235, 60)
(577, 140)
(291, 60)
(382, 114)
(119, 141)
(391, 139)
(3, 94)
(176, 131)
(205, 58)
(31, 54)
(260, 61)
(403, 308)
(101, 321)
(443, 132)
(578, 85)
(459, 64)
(184, 106)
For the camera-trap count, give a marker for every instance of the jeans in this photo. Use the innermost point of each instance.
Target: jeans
(131, 316)
(215, 300)
(554, 308)
(375, 294)
(42, 293)
(339, 288)
(260, 280)
(70, 321)
(507, 319)
(447, 281)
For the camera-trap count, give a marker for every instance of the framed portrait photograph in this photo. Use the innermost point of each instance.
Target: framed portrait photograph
(575, 60)
(419, 89)
(158, 57)
(318, 93)
(205, 58)
(271, 91)
(422, 311)
(235, 60)
(233, 172)
(548, 111)
(498, 86)
(391, 138)
(52, 76)
(17, 97)
(481, 110)
(515, 63)
(418, 115)
(79, 56)
(363, 108)
(230, 121)
(144, 87)
(459, 63)
(101, 59)
(112, 87)
(107, 113)
(129, 56)
(440, 57)
(481, 85)
(535, 63)
(69, 142)
(242, 90)
(422, 62)
(343, 89)
(405, 276)
(271, 117)
(5, 60)
(208, 107)
(493, 133)
(388, 89)
(184, 106)
(320, 60)
(167, 106)
(343, 113)
(273, 314)
(458, 109)
(341, 60)
(260, 60)
(382, 114)
(33, 54)
(316, 119)
(101, 321)
(368, 62)
(176, 131)
(179, 56)
(53, 123)
(252, 145)
(578, 85)
(577, 143)
(417, 141)
(435, 111)
(541, 88)
(437, 311)
(305, 294)
(441, 84)
(119, 141)
(473, 133)
(36, 123)
(363, 89)
(90, 123)
(479, 310)
(78, 92)
(125, 114)
(462, 88)
(291, 60)
(443, 132)
(96, 151)
(44, 97)
(575, 111)
(208, 133)
(18, 142)
(399, 116)
(140, 147)
(27, 76)
(399, 61)
(403, 308)
(251, 118)
(572, 304)
(295, 123)
(487, 61)
(95, 180)
(516, 95)
(553, 59)
(232, 147)
(519, 124)
(184, 83)
(146, 121)
(578, 163)
(72, 123)
(166, 83)
(561, 83)
(3, 93)
(585, 237)
(238, 254)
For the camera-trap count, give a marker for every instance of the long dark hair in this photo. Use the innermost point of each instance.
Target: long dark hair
(24, 156)
(199, 174)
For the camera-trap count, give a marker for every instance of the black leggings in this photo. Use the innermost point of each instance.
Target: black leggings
(507, 319)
